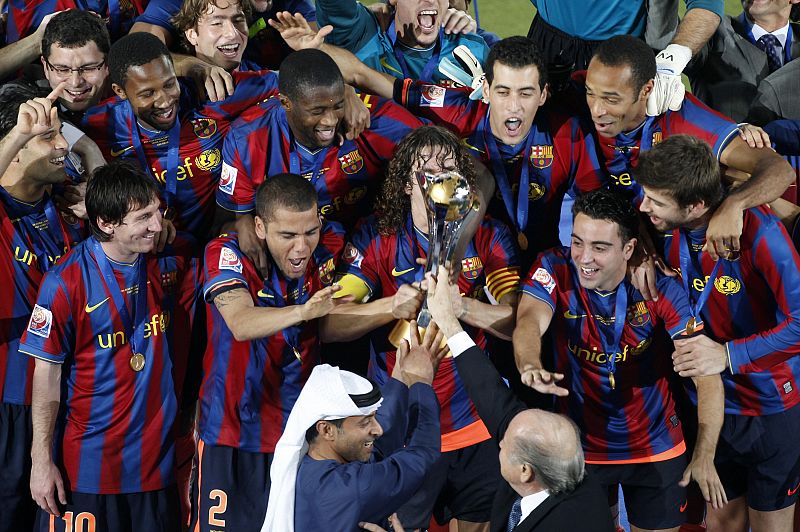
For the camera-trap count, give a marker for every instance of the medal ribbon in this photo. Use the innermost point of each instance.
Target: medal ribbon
(686, 263)
(518, 215)
(171, 177)
(408, 249)
(430, 66)
(275, 286)
(611, 348)
(134, 330)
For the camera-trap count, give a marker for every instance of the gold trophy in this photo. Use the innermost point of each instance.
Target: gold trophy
(448, 201)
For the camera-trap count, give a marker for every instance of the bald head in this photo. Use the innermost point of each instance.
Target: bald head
(550, 444)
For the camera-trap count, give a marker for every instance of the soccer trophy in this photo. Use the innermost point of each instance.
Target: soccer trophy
(448, 201)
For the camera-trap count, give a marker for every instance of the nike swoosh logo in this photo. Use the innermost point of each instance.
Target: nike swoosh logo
(683, 506)
(792, 492)
(570, 316)
(395, 273)
(91, 308)
(261, 293)
(120, 152)
(384, 64)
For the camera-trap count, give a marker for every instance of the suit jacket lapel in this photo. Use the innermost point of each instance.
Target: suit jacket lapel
(539, 513)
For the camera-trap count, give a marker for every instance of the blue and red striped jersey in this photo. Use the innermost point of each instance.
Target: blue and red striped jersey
(25, 16)
(636, 419)
(558, 155)
(30, 248)
(754, 309)
(116, 427)
(620, 154)
(261, 144)
(249, 387)
(203, 126)
(385, 262)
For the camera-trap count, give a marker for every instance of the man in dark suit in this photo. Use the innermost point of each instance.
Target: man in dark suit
(541, 458)
(746, 49)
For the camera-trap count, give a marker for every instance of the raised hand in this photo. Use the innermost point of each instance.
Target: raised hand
(39, 115)
(296, 31)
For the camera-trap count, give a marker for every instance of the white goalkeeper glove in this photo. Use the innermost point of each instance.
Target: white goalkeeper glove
(465, 71)
(668, 90)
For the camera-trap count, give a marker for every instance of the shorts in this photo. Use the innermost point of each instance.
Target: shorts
(230, 489)
(653, 498)
(154, 511)
(460, 485)
(758, 457)
(18, 510)
(560, 48)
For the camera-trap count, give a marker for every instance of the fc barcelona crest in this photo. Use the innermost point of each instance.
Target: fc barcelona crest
(541, 156)
(351, 162)
(204, 127)
(471, 267)
(657, 138)
(638, 314)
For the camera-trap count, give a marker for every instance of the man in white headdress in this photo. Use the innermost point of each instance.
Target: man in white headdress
(341, 456)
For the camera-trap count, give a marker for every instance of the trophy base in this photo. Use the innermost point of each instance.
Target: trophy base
(402, 331)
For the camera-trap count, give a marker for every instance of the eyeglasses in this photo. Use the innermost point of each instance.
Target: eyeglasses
(83, 70)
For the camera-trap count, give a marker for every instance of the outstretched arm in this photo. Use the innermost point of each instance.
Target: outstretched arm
(496, 404)
(298, 34)
(248, 322)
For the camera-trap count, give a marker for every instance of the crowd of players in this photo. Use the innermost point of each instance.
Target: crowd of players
(195, 217)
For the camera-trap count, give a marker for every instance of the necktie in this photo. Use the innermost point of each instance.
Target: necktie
(515, 515)
(770, 44)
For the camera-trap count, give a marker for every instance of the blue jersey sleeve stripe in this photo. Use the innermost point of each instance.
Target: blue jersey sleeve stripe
(724, 140)
(526, 290)
(42, 355)
(240, 209)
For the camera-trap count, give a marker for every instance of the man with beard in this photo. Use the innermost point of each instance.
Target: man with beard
(749, 300)
(352, 447)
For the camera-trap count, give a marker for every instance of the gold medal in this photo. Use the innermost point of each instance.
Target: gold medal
(690, 325)
(137, 362)
(611, 380)
(522, 240)
(297, 354)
